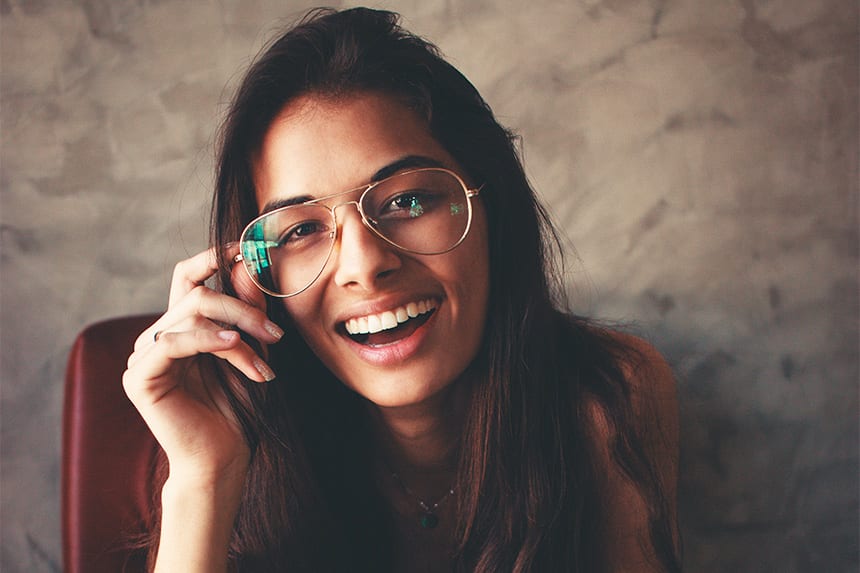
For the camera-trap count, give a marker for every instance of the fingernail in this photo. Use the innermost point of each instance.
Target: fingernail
(264, 370)
(227, 335)
(273, 329)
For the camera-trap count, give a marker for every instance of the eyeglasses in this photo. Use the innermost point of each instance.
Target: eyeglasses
(423, 211)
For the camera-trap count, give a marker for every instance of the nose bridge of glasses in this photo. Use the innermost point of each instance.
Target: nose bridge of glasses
(364, 221)
(331, 202)
(335, 207)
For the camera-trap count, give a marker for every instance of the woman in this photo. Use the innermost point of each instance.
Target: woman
(385, 378)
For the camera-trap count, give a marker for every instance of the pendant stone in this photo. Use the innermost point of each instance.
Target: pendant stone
(429, 521)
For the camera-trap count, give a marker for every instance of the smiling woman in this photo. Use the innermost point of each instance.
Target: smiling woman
(406, 391)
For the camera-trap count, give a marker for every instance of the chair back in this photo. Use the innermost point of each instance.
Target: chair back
(108, 453)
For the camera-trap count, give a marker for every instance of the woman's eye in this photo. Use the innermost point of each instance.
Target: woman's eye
(306, 229)
(406, 201)
(412, 205)
(301, 231)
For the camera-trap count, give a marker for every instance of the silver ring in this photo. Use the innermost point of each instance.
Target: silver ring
(156, 335)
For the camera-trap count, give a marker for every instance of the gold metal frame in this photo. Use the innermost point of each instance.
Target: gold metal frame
(366, 221)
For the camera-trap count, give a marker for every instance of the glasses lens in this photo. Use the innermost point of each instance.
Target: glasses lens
(286, 250)
(425, 211)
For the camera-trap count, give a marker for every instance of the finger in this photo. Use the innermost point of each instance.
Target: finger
(146, 348)
(148, 336)
(203, 304)
(193, 272)
(151, 335)
(155, 360)
(230, 310)
(145, 378)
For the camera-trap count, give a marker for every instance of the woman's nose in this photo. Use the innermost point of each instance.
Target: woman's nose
(361, 257)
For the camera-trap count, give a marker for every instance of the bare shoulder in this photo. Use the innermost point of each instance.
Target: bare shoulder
(653, 401)
(645, 369)
(653, 422)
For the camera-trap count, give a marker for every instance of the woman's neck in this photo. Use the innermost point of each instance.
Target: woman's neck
(421, 438)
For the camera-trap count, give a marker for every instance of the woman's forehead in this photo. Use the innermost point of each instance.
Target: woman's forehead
(319, 146)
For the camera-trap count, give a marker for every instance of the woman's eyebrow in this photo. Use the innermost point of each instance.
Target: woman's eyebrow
(278, 203)
(406, 162)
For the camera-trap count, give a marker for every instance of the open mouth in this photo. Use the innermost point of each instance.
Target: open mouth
(390, 326)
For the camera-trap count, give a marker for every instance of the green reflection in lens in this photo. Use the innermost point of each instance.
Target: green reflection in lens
(255, 249)
(456, 208)
(415, 209)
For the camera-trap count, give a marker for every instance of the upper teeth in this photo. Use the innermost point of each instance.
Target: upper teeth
(373, 323)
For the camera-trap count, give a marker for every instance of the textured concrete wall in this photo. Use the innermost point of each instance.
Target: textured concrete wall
(700, 154)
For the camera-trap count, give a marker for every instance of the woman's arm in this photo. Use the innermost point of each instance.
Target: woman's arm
(174, 384)
(655, 408)
(196, 524)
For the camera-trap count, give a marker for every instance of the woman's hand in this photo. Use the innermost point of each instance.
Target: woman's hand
(174, 389)
(174, 386)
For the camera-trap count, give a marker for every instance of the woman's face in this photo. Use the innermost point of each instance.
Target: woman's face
(318, 147)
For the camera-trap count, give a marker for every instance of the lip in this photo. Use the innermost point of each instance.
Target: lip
(394, 353)
(382, 304)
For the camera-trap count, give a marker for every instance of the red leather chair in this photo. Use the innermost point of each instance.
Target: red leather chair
(108, 453)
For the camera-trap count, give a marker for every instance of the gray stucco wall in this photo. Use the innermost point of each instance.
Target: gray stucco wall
(701, 155)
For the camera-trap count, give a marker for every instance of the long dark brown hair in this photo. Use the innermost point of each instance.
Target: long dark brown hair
(527, 489)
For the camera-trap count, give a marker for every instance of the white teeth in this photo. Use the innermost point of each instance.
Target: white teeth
(373, 323)
(412, 310)
(388, 320)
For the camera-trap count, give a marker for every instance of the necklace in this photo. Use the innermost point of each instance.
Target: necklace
(428, 519)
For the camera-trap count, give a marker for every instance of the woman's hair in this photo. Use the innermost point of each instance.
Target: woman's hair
(527, 489)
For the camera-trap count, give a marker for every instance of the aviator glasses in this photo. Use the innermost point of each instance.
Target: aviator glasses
(423, 211)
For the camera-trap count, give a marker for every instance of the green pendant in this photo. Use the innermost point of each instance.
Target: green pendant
(429, 521)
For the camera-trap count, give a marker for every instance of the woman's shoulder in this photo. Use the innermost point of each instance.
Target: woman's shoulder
(646, 370)
(643, 372)
(652, 423)
(645, 379)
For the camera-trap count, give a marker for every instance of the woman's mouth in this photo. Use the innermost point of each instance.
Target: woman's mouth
(391, 325)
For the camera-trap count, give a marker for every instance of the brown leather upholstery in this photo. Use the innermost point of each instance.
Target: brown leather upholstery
(107, 452)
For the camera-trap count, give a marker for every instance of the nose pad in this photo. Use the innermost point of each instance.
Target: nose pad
(361, 257)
